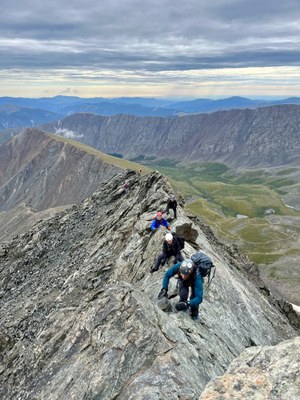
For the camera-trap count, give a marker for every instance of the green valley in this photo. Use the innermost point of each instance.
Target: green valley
(245, 208)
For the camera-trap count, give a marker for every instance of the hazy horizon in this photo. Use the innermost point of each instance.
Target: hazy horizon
(166, 98)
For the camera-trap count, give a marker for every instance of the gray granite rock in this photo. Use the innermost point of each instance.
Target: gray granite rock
(79, 315)
(260, 373)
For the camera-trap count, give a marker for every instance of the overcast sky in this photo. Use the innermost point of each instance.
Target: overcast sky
(111, 48)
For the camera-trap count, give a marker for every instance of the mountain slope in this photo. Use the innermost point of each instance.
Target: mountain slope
(14, 116)
(263, 137)
(45, 172)
(20, 219)
(79, 312)
(205, 105)
(112, 108)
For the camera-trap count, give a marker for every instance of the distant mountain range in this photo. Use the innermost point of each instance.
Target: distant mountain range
(15, 112)
(240, 138)
(266, 136)
(14, 116)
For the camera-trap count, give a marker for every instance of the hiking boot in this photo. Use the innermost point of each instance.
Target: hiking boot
(181, 306)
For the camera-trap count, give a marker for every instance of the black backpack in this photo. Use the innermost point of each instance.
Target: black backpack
(180, 240)
(203, 264)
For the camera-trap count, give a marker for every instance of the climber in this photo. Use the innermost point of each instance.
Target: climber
(187, 278)
(172, 203)
(159, 221)
(170, 248)
(126, 186)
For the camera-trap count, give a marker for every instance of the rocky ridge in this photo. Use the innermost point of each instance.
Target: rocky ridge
(239, 138)
(20, 219)
(43, 172)
(79, 312)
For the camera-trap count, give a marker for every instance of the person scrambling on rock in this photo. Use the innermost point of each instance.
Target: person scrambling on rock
(126, 186)
(172, 203)
(159, 221)
(171, 248)
(188, 279)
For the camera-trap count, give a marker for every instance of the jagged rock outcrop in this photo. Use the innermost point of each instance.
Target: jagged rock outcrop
(270, 372)
(263, 137)
(44, 172)
(20, 219)
(79, 314)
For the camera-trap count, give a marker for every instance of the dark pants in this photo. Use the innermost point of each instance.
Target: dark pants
(163, 259)
(184, 294)
(174, 211)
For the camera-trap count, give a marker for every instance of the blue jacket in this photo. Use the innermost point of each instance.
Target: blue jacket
(156, 223)
(196, 284)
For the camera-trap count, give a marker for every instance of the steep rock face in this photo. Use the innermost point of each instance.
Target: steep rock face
(262, 137)
(44, 172)
(270, 372)
(79, 314)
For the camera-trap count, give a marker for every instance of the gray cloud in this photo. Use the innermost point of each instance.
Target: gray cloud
(156, 35)
(165, 47)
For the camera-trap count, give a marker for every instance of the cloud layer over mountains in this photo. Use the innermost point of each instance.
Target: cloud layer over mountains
(148, 43)
(116, 34)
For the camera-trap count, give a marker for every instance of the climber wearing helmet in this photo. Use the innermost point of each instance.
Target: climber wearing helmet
(170, 248)
(188, 279)
(159, 221)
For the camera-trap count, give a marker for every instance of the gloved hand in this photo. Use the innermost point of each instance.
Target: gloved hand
(162, 263)
(162, 293)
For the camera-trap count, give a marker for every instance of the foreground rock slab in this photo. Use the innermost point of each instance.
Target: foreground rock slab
(79, 315)
(260, 373)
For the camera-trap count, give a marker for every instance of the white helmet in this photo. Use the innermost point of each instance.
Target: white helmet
(169, 236)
